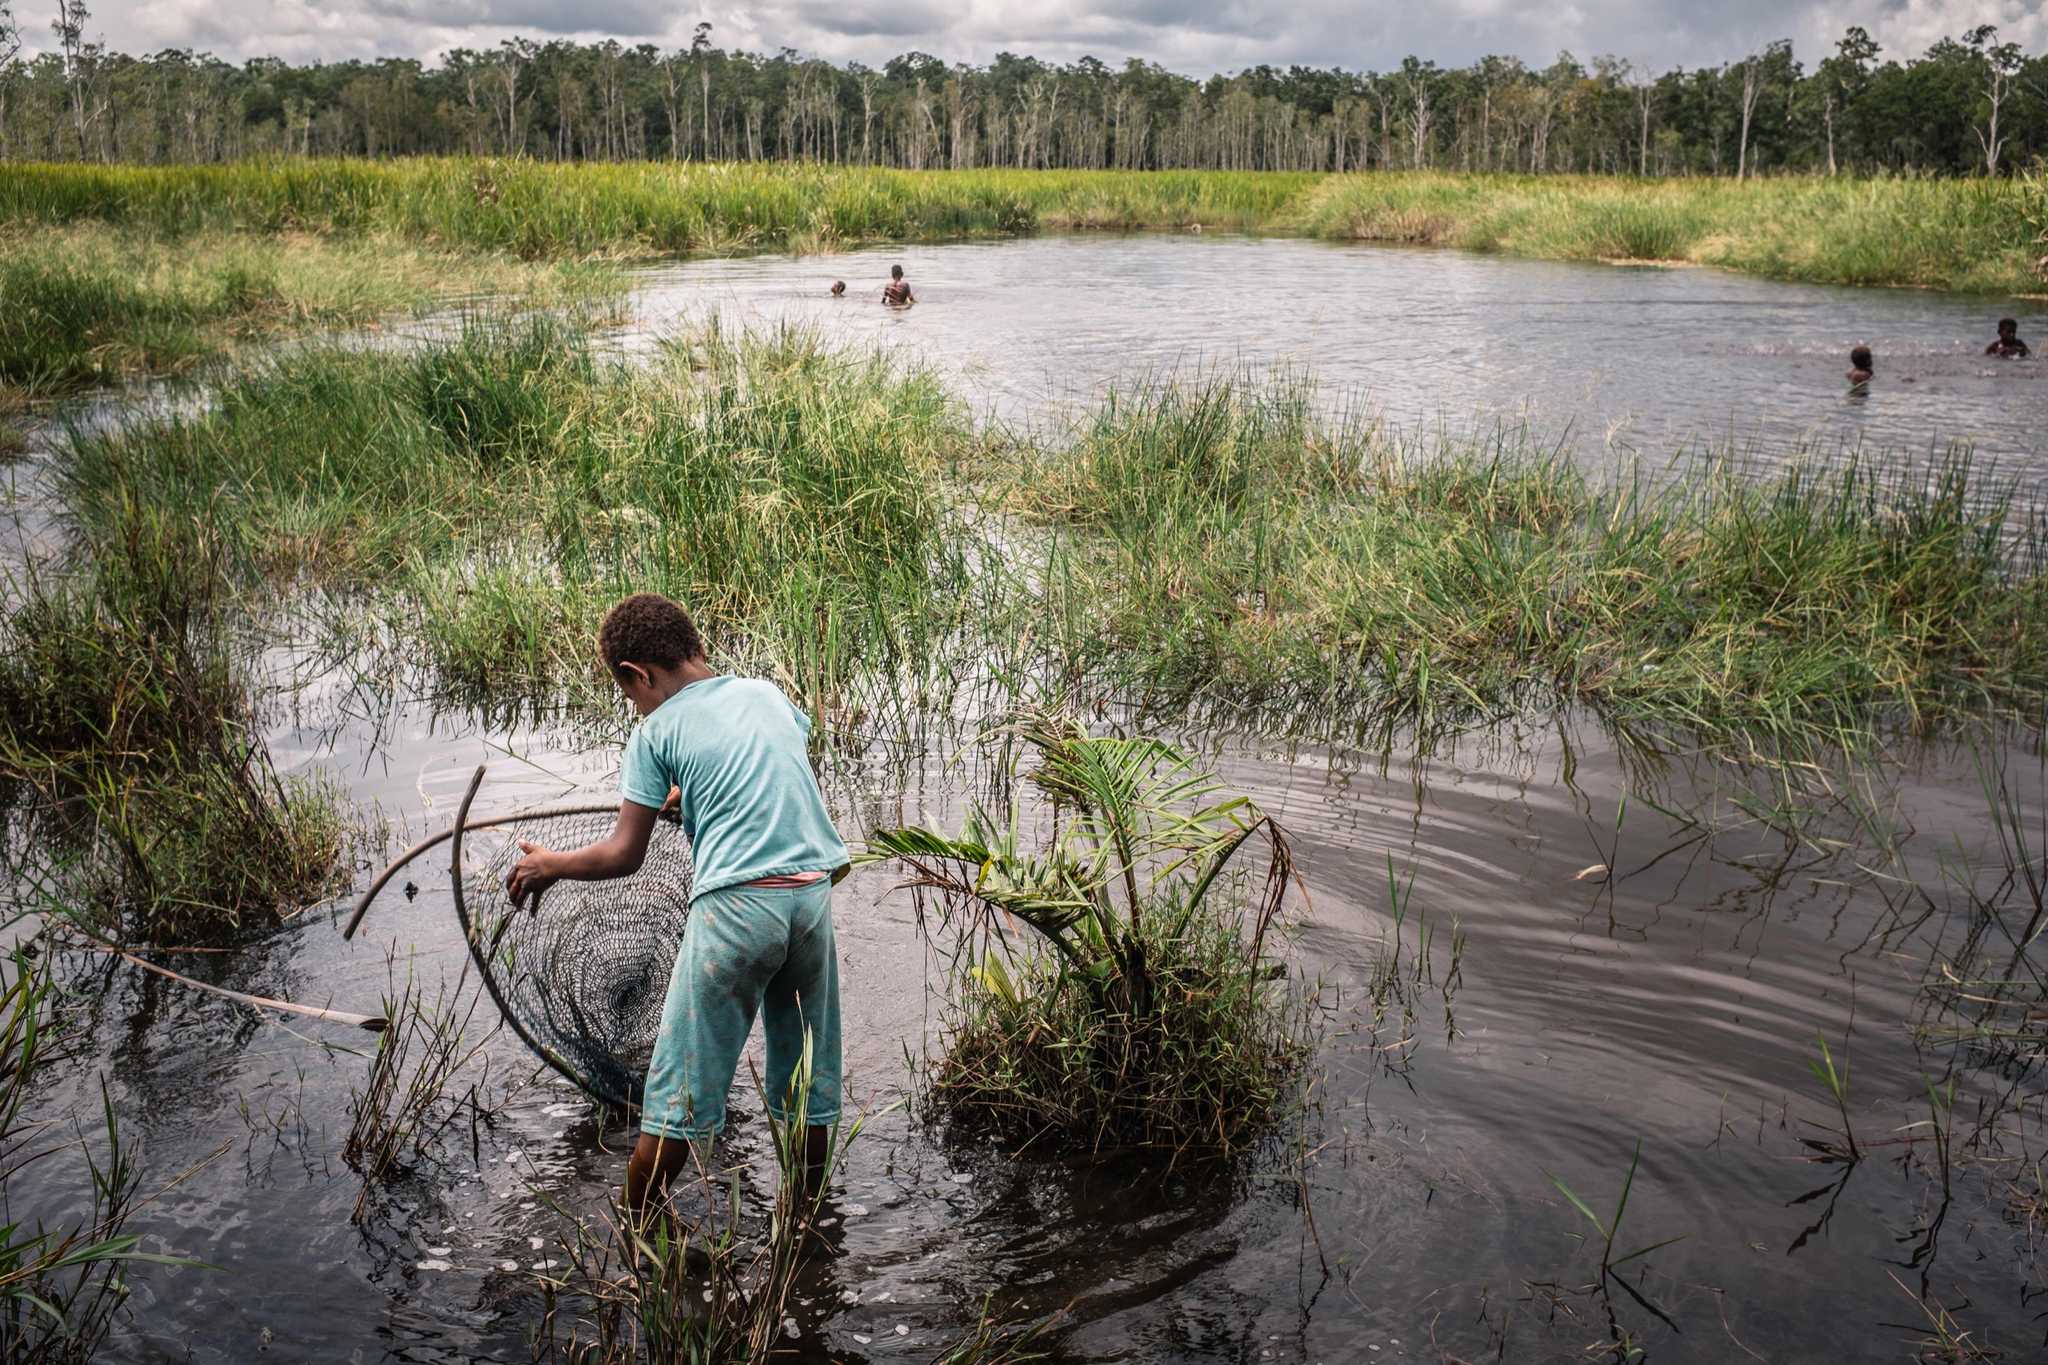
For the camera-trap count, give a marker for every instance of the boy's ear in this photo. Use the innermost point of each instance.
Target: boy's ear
(633, 673)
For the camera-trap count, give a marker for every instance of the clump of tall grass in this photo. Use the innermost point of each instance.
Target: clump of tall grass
(501, 489)
(1340, 572)
(88, 304)
(1144, 1011)
(1163, 447)
(129, 742)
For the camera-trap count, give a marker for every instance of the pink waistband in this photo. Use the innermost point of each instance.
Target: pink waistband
(790, 879)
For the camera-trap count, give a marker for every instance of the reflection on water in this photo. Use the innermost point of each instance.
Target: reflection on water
(1641, 360)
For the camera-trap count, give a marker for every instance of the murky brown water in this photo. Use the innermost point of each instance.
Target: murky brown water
(1677, 1004)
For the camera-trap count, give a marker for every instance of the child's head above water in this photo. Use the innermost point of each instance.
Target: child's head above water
(895, 272)
(838, 288)
(2008, 327)
(645, 633)
(1859, 357)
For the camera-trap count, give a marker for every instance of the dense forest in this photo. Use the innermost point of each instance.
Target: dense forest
(1968, 105)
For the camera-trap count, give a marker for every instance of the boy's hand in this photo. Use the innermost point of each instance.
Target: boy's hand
(532, 874)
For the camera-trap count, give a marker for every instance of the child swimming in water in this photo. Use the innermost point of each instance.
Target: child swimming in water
(896, 293)
(2008, 346)
(838, 288)
(1860, 371)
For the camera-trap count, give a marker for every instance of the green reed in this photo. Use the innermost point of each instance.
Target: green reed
(60, 1285)
(682, 1281)
(410, 1100)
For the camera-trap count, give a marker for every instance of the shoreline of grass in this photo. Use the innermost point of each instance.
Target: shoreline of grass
(90, 304)
(1976, 235)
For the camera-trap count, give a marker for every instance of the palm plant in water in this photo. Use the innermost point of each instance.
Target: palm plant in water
(1141, 1009)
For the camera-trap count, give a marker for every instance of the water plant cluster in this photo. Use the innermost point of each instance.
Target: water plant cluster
(1964, 234)
(139, 797)
(1139, 1012)
(1214, 542)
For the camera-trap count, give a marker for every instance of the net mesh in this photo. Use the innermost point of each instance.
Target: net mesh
(581, 977)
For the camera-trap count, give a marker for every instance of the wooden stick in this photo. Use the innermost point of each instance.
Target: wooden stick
(373, 1023)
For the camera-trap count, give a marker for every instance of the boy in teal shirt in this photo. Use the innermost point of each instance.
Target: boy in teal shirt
(764, 857)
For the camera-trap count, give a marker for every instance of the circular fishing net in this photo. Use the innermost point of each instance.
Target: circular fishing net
(581, 977)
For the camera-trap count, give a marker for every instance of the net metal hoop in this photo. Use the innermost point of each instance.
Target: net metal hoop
(581, 976)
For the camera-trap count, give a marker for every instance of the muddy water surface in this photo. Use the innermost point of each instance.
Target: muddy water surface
(1612, 360)
(1676, 1004)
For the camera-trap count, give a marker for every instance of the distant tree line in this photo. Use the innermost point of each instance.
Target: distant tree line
(1968, 105)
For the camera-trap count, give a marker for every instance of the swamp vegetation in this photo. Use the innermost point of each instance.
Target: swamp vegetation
(1216, 545)
(1987, 234)
(1221, 552)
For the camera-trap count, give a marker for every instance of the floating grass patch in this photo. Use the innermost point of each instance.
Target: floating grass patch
(1144, 1010)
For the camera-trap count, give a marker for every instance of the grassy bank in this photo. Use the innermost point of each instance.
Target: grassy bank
(544, 210)
(1223, 546)
(1989, 235)
(86, 303)
(1960, 234)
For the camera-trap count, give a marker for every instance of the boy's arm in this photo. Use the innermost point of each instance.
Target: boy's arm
(620, 854)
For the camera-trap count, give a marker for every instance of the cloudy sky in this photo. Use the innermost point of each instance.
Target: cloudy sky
(1195, 36)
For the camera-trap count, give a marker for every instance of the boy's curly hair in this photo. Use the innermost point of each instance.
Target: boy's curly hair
(648, 628)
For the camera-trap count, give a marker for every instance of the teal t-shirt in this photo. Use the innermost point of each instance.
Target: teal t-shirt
(734, 747)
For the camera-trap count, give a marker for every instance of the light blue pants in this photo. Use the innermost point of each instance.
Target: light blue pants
(747, 950)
